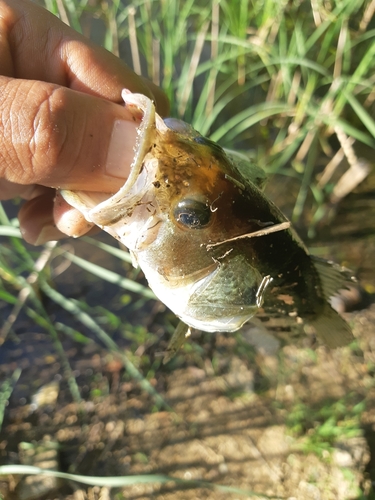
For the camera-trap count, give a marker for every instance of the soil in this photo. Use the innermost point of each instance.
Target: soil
(250, 419)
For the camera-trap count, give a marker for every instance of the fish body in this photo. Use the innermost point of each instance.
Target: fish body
(212, 246)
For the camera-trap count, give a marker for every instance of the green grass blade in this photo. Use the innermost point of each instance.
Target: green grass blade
(116, 252)
(246, 119)
(10, 231)
(45, 322)
(360, 111)
(110, 276)
(116, 482)
(71, 306)
(6, 390)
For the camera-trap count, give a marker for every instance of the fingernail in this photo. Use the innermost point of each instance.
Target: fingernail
(48, 233)
(121, 149)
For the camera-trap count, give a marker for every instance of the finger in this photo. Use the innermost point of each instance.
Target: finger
(44, 219)
(61, 138)
(36, 45)
(9, 190)
(36, 220)
(68, 219)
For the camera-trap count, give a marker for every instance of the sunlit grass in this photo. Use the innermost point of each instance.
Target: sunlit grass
(115, 482)
(322, 427)
(288, 80)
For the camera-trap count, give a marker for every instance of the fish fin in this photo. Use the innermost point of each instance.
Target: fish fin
(247, 168)
(331, 328)
(333, 277)
(178, 338)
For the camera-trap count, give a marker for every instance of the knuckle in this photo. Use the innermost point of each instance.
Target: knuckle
(45, 133)
(33, 130)
(46, 137)
(9, 117)
(48, 146)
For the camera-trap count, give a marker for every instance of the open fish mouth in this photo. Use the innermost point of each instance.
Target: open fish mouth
(127, 210)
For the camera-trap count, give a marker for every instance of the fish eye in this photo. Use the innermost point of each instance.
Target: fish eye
(193, 214)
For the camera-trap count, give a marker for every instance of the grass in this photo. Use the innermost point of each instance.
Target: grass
(114, 482)
(323, 427)
(288, 83)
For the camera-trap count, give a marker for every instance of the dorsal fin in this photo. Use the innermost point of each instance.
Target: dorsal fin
(247, 169)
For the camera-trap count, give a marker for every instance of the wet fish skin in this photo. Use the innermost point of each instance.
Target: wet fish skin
(190, 216)
(241, 207)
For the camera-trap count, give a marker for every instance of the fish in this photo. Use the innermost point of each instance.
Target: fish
(213, 247)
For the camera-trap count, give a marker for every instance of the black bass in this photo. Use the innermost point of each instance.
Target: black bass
(212, 246)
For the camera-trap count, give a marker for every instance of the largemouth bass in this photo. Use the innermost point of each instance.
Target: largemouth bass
(212, 246)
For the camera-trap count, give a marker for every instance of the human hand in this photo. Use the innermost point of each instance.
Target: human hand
(61, 125)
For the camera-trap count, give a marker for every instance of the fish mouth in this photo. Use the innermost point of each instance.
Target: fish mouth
(105, 209)
(128, 207)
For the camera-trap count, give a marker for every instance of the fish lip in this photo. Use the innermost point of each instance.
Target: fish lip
(102, 213)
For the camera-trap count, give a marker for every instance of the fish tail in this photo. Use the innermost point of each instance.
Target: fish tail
(332, 329)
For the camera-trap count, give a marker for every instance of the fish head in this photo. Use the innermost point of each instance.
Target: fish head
(182, 214)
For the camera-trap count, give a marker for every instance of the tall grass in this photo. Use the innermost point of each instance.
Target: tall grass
(289, 82)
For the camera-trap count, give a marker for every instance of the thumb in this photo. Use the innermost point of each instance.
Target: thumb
(61, 138)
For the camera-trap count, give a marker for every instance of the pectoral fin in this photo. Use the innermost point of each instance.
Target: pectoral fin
(179, 336)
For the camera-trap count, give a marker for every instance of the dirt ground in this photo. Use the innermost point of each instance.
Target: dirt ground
(230, 426)
(250, 419)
